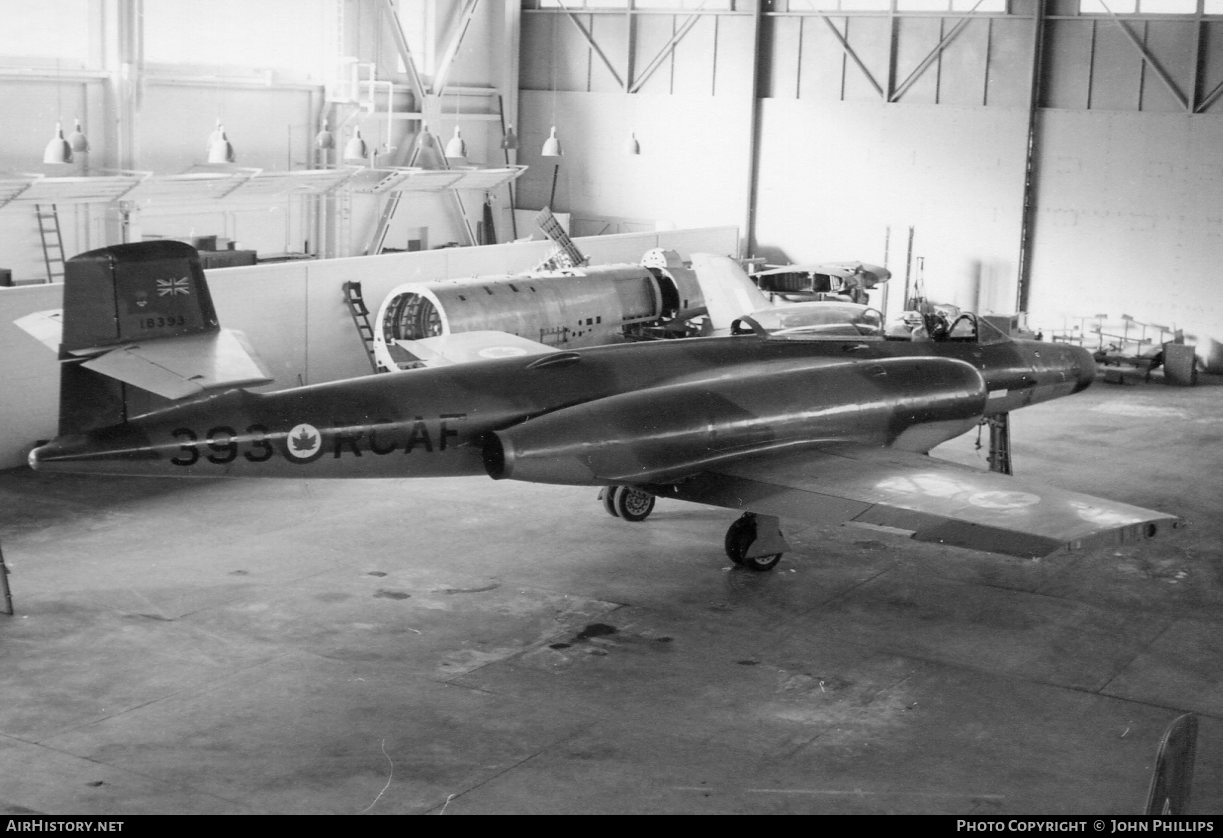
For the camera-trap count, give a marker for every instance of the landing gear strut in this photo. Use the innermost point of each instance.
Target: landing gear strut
(755, 542)
(626, 502)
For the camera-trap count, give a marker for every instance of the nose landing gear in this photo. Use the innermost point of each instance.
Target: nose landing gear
(755, 542)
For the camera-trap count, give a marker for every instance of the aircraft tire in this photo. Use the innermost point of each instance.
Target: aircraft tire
(632, 504)
(608, 496)
(739, 537)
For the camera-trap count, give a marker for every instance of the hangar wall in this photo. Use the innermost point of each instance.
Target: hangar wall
(957, 180)
(294, 314)
(1148, 243)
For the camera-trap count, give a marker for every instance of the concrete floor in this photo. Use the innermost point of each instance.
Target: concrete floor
(464, 646)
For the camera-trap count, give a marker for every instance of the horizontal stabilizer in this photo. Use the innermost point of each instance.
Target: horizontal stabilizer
(924, 497)
(47, 327)
(180, 367)
(463, 347)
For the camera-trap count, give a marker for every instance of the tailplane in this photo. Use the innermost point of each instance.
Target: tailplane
(139, 328)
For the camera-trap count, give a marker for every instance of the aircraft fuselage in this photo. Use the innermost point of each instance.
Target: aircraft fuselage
(619, 403)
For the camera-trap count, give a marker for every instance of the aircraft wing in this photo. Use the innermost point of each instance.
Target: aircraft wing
(183, 366)
(461, 347)
(922, 496)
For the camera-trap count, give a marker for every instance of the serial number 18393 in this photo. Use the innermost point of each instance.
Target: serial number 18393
(161, 322)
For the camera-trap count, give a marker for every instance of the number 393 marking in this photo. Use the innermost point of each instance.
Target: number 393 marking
(220, 445)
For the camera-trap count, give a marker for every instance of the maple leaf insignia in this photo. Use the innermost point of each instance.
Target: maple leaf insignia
(304, 441)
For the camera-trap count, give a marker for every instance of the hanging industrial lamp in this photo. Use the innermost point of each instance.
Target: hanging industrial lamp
(456, 147)
(552, 145)
(58, 150)
(77, 140)
(425, 139)
(356, 149)
(220, 150)
(510, 141)
(324, 139)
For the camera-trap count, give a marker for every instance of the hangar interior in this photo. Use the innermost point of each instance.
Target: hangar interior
(462, 646)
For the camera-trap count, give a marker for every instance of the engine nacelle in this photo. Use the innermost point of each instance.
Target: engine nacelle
(643, 436)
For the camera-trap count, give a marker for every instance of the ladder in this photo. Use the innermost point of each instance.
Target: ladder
(52, 241)
(360, 319)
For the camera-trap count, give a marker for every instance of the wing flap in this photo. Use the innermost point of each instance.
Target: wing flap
(932, 499)
(179, 367)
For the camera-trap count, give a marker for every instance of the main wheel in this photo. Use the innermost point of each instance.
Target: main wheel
(739, 538)
(632, 504)
(608, 497)
(762, 563)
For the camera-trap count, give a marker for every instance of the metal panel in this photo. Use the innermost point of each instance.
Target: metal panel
(915, 38)
(1009, 80)
(1067, 64)
(871, 39)
(1211, 78)
(535, 64)
(694, 58)
(822, 71)
(736, 57)
(780, 38)
(1116, 69)
(1170, 43)
(610, 32)
(653, 34)
(962, 67)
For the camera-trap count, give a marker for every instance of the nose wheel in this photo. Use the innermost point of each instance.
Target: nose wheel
(755, 542)
(626, 502)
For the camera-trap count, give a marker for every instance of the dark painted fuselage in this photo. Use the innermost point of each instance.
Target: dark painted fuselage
(672, 405)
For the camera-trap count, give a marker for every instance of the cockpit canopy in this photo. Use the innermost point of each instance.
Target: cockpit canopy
(826, 319)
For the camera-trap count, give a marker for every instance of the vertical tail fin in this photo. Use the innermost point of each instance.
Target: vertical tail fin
(728, 291)
(141, 316)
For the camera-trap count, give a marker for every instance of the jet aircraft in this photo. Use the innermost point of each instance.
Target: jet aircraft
(795, 424)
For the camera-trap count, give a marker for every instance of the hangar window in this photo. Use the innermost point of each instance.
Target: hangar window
(53, 28)
(295, 35)
(1144, 7)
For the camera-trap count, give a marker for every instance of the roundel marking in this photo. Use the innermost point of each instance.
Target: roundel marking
(303, 443)
(1004, 500)
(501, 352)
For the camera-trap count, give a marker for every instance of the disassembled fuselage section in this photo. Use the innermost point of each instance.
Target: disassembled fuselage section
(570, 308)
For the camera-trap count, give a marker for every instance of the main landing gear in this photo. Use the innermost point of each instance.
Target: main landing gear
(755, 542)
(626, 502)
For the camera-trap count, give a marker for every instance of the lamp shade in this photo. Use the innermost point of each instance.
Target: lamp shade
(356, 148)
(425, 139)
(221, 150)
(456, 147)
(77, 139)
(552, 145)
(324, 139)
(58, 150)
(510, 140)
(214, 136)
